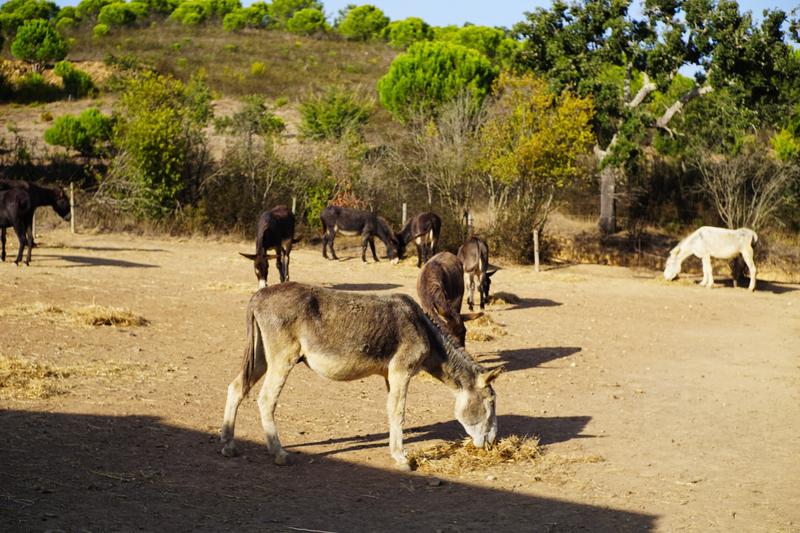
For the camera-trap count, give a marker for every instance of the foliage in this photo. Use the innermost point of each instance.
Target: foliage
(254, 16)
(100, 30)
(77, 83)
(38, 42)
(281, 11)
(491, 42)
(362, 22)
(786, 142)
(530, 147)
(160, 142)
(316, 199)
(122, 13)
(194, 12)
(62, 24)
(90, 8)
(404, 33)
(334, 113)
(307, 21)
(32, 87)
(87, 133)
(14, 13)
(431, 73)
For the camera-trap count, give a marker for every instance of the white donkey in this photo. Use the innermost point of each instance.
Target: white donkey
(708, 242)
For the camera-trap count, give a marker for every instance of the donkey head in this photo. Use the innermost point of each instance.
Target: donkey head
(260, 265)
(401, 246)
(475, 409)
(61, 205)
(486, 283)
(673, 266)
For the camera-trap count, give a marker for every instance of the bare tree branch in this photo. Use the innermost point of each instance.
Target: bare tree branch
(676, 107)
(647, 87)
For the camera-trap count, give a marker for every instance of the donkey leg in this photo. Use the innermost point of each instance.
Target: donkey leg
(325, 244)
(23, 241)
(286, 264)
(278, 371)
(372, 248)
(420, 255)
(30, 241)
(396, 407)
(747, 255)
(3, 240)
(708, 272)
(470, 301)
(235, 398)
(332, 234)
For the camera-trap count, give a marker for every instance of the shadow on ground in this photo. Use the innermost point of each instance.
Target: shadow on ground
(103, 473)
(524, 358)
(81, 260)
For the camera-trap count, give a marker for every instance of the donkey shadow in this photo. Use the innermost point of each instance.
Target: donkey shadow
(82, 260)
(524, 358)
(364, 286)
(549, 429)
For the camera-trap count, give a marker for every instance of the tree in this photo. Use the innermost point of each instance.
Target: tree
(161, 147)
(280, 11)
(334, 113)
(362, 22)
(77, 83)
(14, 13)
(307, 22)
(88, 133)
(404, 33)
(432, 73)
(39, 43)
(596, 48)
(531, 143)
(491, 42)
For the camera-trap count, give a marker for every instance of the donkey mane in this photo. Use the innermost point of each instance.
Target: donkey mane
(457, 367)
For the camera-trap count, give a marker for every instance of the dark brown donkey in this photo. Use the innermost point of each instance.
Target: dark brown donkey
(440, 288)
(38, 194)
(275, 230)
(474, 254)
(424, 230)
(354, 222)
(16, 210)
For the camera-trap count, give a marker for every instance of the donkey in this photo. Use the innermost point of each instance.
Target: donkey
(16, 210)
(38, 194)
(345, 336)
(354, 222)
(275, 229)
(440, 288)
(474, 254)
(424, 230)
(707, 242)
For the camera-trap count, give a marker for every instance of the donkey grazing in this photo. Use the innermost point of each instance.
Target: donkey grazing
(16, 210)
(424, 230)
(707, 242)
(275, 230)
(345, 336)
(39, 194)
(354, 222)
(440, 288)
(474, 254)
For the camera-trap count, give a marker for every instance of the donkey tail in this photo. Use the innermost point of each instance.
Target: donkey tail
(249, 358)
(434, 303)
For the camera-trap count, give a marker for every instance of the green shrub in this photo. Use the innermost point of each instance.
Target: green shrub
(404, 33)
(38, 42)
(491, 42)
(316, 199)
(334, 113)
(14, 13)
(65, 23)
(362, 23)
(234, 21)
(281, 11)
(281, 101)
(32, 87)
(77, 83)
(86, 133)
(431, 73)
(90, 8)
(100, 30)
(258, 68)
(307, 22)
(121, 13)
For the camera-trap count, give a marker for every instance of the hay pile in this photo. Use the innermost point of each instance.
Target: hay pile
(503, 299)
(90, 315)
(484, 329)
(457, 457)
(28, 379)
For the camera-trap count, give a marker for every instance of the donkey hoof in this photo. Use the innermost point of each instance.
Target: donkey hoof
(229, 450)
(282, 459)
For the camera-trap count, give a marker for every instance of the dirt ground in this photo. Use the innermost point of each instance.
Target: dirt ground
(660, 406)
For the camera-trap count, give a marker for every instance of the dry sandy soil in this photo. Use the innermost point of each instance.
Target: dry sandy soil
(660, 406)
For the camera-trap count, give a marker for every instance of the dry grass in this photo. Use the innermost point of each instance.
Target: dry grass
(484, 329)
(504, 298)
(28, 379)
(456, 457)
(238, 288)
(89, 315)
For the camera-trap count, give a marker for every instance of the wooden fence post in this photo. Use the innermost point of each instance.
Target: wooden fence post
(536, 250)
(404, 214)
(294, 204)
(72, 207)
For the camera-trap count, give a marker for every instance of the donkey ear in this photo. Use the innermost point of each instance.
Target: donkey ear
(485, 379)
(466, 317)
(251, 257)
(491, 273)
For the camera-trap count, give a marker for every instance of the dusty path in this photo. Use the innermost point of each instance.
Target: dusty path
(662, 406)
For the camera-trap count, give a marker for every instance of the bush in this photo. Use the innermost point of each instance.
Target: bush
(334, 113)
(281, 11)
(100, 30)
(491, 42)
(258, 68)
(90, 8)
(32, 87)
(121, 13)
(15, 13)
(234, 21)
(307, 22)
(362, 23)
(86, 133)
(77, 83)
(65, 23)
(431, 73)
(38, 42)
(404, 33)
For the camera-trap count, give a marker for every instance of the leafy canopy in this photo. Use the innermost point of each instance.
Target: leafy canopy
(362, 22)
(38, 42)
